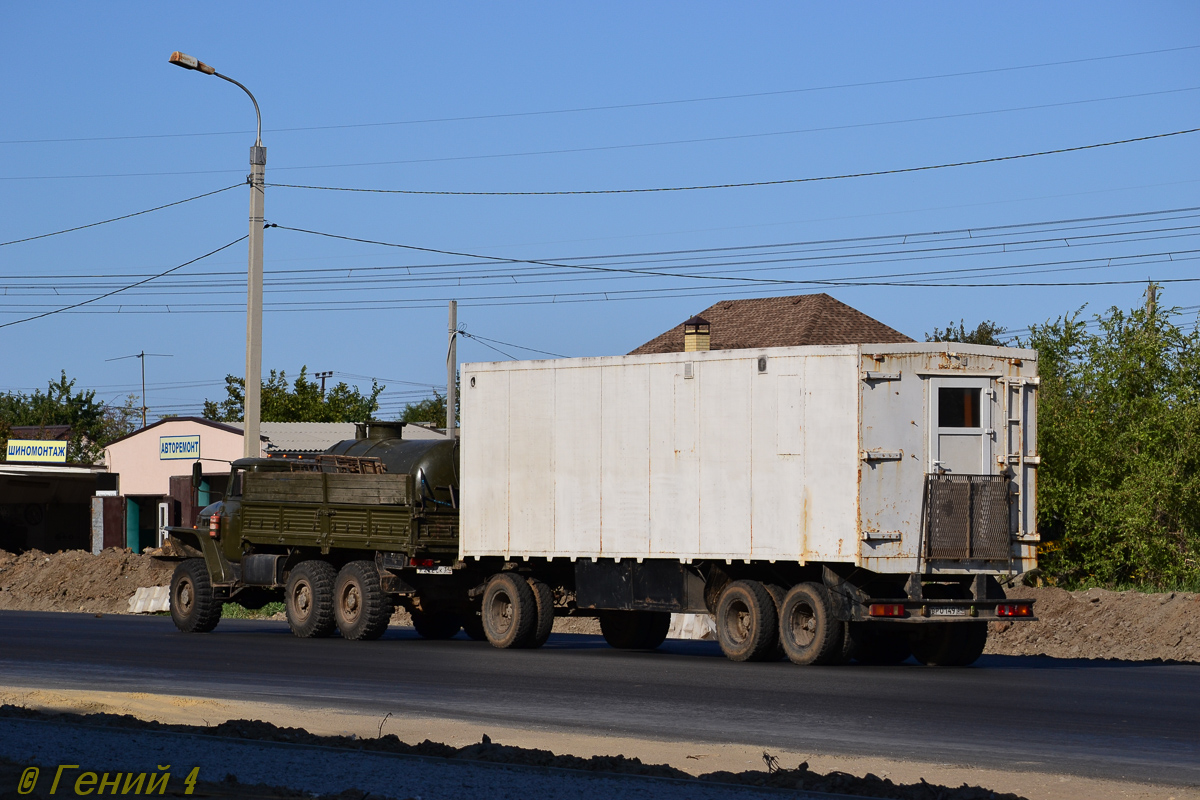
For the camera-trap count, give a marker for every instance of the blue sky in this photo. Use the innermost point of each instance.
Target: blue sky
(449, 97)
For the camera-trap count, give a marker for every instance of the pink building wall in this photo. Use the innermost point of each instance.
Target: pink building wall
(143, 472)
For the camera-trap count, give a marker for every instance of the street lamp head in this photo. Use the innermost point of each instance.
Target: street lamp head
(187, 62)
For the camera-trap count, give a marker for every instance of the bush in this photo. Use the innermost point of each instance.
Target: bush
(1119, 431)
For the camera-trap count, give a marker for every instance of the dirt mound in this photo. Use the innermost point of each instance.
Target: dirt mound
(75, 580)
(1130, 626)
(486, 750)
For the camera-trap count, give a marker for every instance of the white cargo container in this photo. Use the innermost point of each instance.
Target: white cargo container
(897, 458)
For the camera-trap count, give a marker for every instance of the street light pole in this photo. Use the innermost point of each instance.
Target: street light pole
(254, 281)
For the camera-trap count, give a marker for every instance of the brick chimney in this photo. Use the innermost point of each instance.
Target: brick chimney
(695, 335)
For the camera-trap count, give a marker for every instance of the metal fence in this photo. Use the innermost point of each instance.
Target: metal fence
(967, 517)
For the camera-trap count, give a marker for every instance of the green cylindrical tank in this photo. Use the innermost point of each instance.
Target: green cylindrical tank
(433, 463)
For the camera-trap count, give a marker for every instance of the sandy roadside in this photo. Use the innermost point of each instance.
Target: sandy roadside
(692, 757)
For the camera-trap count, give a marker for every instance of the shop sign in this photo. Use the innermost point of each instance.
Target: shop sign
(175, 448)
(37, 450)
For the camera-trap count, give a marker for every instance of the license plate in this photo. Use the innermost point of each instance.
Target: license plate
(435, 571)
(947, 611)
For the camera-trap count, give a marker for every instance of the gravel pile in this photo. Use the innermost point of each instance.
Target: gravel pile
(1130, 626)
(75, 580)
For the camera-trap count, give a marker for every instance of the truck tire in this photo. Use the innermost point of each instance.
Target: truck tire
(472, 625)
(807, 629)
(360, 607)
(544, 598)
(435, 625)
(193, 607)
(747, 623)
(308, 599)
(778, 593)
(949, 644)
(509, 611)
(877, 648)
(635, 630)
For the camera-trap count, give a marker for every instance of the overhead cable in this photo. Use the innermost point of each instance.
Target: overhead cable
(123, 216)
(744, 184)
(621, 106)
(124, 288)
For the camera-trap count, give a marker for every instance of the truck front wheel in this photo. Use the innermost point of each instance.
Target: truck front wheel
(193, 607)
(360, 607)
(807, 629)
(308, 599)
(543, 595)
(747, 623)
(509, 611)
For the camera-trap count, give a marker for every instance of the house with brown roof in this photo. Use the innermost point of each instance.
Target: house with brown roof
(774, 322)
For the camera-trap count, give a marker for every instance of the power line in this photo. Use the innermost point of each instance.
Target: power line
(876, 173)
(483, 339)
(124, 288)
(116, 219)
(620, 106)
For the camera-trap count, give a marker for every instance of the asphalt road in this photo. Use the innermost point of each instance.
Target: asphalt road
(1100, 719)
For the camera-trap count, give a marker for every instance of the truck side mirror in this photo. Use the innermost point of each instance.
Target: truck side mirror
(197, 475)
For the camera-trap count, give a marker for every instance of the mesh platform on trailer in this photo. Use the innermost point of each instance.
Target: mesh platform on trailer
(967, 517)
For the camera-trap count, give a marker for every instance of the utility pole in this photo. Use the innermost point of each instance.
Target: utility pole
(252, 413)
(323, 376)
(1151, 299)
(452, 372)
(142, 355)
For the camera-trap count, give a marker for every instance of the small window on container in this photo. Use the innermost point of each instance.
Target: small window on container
(958, 408)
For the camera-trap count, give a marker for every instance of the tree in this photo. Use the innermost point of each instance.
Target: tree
(986, 332)
(431, 410)
(93, 424)
(301, 402)
(1119, 436)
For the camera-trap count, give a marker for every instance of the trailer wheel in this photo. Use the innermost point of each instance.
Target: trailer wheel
(509, 611)
(807, 629)
(778, 593)
(878, 648)
(472, 625)
(544, 598)
(435, 624)
(308, 599)
(634, 630)
(193, 607)
(360, 608)
(949, 644)
(747, 624)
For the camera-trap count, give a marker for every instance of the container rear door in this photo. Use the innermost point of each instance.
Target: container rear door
(960, 426)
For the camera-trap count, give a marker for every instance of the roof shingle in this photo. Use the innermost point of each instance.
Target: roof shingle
(780, 322)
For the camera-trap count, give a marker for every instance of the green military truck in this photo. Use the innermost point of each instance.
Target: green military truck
(344, 537)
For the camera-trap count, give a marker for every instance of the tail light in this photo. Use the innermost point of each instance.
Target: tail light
(214, 525)
(1014, 610)
(421, 562)
(887, 610)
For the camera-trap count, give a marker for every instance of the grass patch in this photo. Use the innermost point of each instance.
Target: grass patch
(238, 611)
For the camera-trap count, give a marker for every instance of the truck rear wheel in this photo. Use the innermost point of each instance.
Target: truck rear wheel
(949, 644)
(747, 624)
(544, 598)
(634, 630)
(308, 599)
(807, 629)
(509, 611)
(361, 609)
(193, 607)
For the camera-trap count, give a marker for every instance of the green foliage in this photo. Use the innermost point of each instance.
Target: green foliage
(986, 332)
(432, 409)
(93, 424)
(1119, 435)
(238, 611)
(300, 402)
